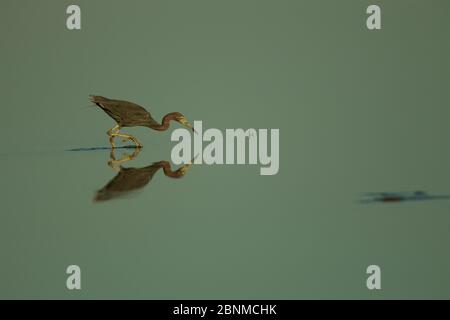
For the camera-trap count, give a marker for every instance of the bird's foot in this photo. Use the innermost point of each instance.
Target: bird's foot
(124, 138)
(136, 142)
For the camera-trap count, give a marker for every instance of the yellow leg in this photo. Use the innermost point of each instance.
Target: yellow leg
(111, 133)
(128, 137)
(114, 129)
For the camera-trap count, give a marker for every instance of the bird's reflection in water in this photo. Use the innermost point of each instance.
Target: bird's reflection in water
(129, 180)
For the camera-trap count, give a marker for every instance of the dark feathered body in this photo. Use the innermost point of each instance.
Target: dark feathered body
(126, 181)
(133, 179)
(125, 113)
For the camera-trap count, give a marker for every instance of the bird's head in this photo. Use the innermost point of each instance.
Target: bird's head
(96, 99)
(183, 121)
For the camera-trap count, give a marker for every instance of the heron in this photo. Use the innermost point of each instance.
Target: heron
(129, 114)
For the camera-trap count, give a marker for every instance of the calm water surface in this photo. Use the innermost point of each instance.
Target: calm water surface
(358, 112)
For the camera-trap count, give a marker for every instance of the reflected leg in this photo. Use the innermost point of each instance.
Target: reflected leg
(116, 164)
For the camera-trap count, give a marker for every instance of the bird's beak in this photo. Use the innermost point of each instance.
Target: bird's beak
(184, 122)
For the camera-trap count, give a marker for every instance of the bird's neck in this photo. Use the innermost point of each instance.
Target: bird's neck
(165, 165)
(165, 122)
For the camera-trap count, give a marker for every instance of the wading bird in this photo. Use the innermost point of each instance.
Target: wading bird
(129, 114)
(130, 180)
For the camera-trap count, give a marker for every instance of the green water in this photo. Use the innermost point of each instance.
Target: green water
(358, 111)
